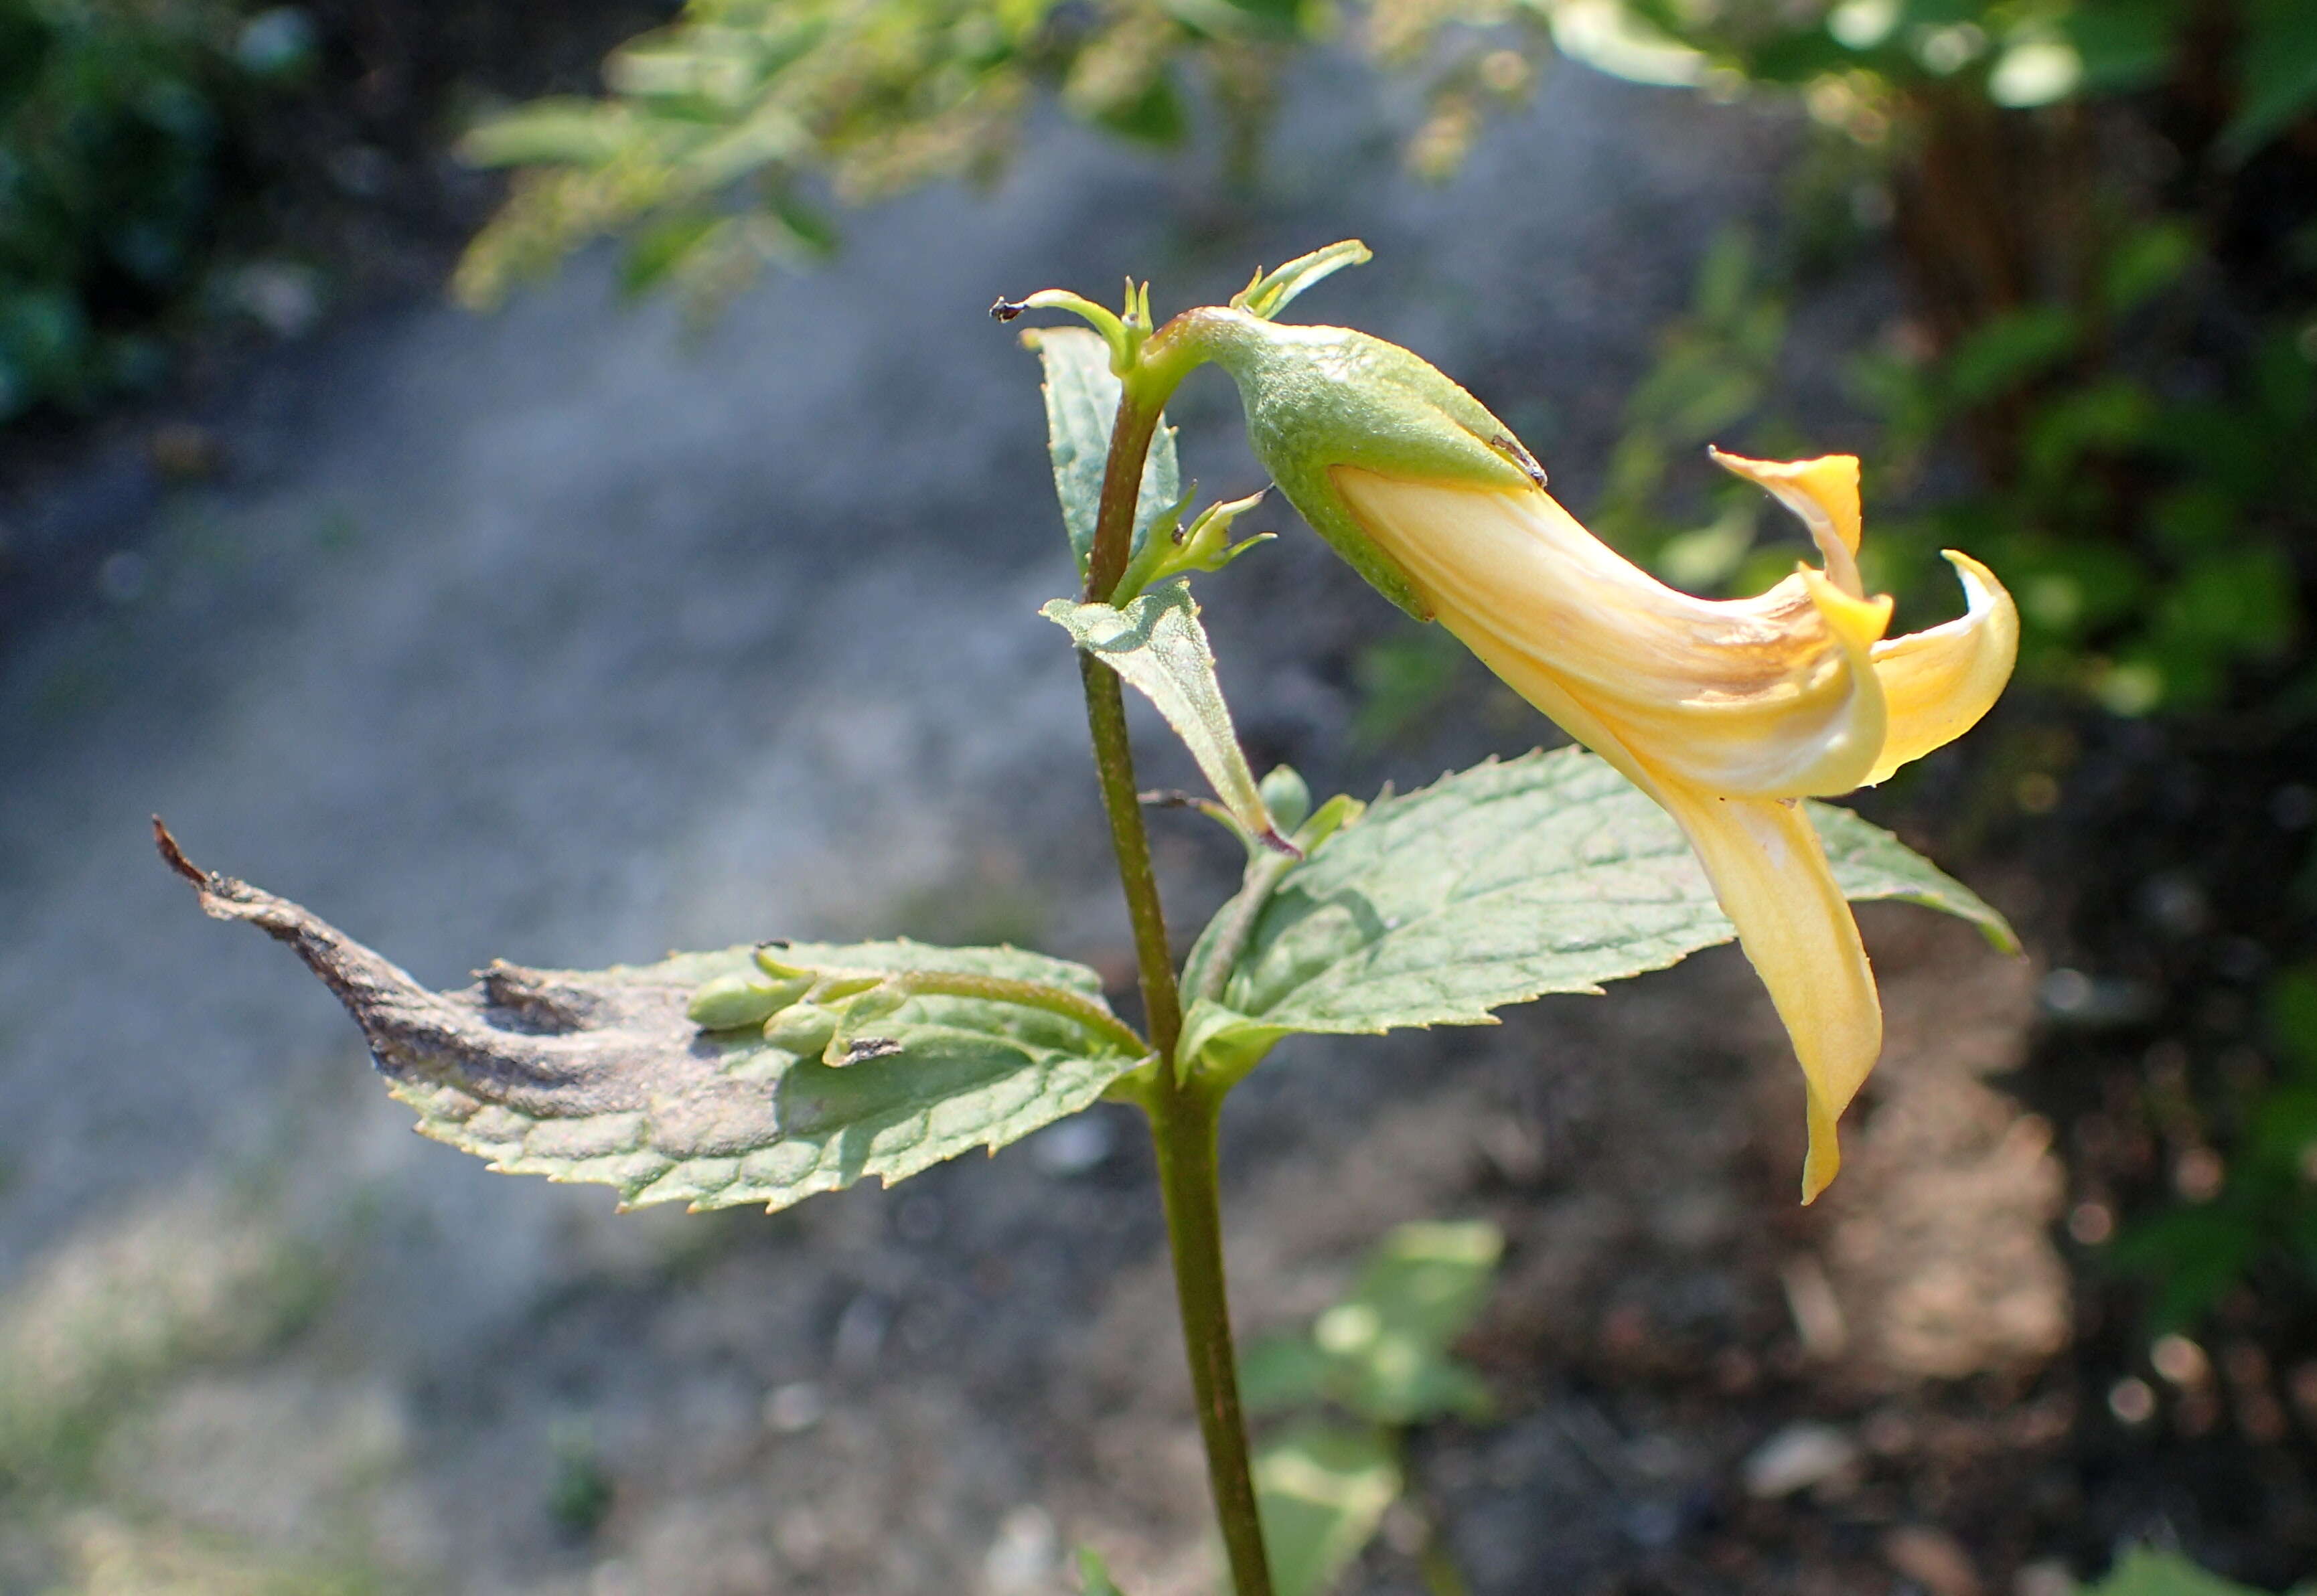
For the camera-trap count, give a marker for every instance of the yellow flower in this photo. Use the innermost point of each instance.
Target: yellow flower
(1724, 712)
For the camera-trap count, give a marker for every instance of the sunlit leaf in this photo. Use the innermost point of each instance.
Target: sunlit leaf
(1494, 886)
(1383, 1351)
(1322, 1490)
(1093, 1575)
(2146, 1572)
(601, 1075)
(1156, 644)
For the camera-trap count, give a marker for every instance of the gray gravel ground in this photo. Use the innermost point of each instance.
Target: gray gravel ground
(558, 636)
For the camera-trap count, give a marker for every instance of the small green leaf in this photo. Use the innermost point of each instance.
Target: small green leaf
(1421, 1290)
(2277, 67)
(1280, 1373)
(1494, 886)
(2146, 1571)
(1093, 1575)
(1321, 1490)
(1157, 644)
(1081, 404)
(569, 131)
(601, 1075)
(1383, 1351)
(2009, 350)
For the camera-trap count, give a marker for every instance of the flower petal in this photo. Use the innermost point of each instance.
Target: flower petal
(1937, 683)
(1769, 696)
(1824, 493)
(1771, 876)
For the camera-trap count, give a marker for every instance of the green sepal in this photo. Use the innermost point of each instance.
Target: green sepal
(1494, 886)
(1267, 296)
(1319, 397)
(1204, 545)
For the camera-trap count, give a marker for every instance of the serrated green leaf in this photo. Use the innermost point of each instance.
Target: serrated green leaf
(1081, 404)
(1871, 865)
(1492, 886)
(1156, 644)
(600, 1076)
(1321, 1491)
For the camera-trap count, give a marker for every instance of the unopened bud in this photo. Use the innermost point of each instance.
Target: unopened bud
(737, 1001)
(1287, 797)
(801, 1029)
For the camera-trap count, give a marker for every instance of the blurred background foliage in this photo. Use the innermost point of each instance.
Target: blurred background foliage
(117, 121)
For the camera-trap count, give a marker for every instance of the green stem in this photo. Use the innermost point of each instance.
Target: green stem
(1182, 1126)
(1114, 758)
(1122, 491)
(1184, 1116)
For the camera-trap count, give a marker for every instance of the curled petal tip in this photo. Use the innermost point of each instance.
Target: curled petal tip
(1937, 683)
(1824, 493)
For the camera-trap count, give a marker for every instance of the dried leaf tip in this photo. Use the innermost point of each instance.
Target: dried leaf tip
(174, 857)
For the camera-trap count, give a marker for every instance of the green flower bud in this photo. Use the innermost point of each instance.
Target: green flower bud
(1320, 398)
(1286, 795)
(734, 1002)
(801, 1029)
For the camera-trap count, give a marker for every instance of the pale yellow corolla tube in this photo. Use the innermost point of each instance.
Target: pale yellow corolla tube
(1724, 711)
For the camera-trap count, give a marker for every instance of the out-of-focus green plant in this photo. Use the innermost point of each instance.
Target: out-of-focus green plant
(2146, 1571)
(2263, 1215)
(2142, 430)
(1370, 1366)
(725, 136)
(114, 124)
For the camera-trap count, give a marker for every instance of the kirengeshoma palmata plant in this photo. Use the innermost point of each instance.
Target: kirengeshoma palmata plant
(766, 1072)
